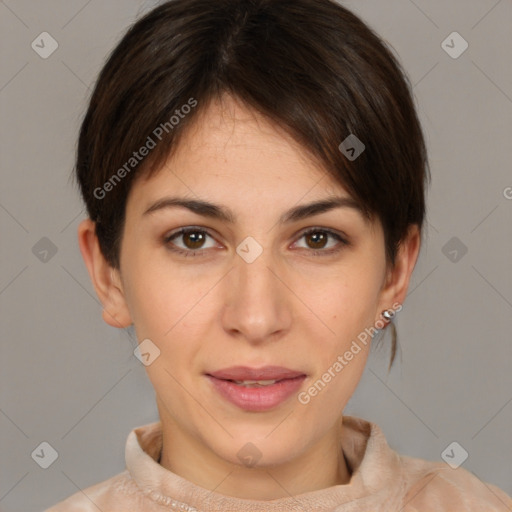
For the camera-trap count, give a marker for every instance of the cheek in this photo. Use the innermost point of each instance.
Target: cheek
(167, 311)
(348, 303)
(156, 294)
(152, 304)
(171, 309)
(340, 355)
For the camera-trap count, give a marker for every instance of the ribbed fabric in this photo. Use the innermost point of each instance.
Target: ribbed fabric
(381, 481)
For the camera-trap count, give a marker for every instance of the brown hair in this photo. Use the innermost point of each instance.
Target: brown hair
(310, 66)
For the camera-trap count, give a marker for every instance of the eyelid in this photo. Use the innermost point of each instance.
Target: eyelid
(342, 238)
(188, 229)
(333, 232)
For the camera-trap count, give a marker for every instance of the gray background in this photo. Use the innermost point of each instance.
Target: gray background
(69, 379)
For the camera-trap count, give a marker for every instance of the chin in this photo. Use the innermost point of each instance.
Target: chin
(260, 450)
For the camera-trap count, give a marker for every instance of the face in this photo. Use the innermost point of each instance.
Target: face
(259, 289)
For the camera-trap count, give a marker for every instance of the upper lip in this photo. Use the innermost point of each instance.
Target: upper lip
(263, 373)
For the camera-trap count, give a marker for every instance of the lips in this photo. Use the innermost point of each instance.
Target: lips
(256, 389)
(241, 373)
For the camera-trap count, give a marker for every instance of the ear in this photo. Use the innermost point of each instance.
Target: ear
(396, 284)
(105, 279)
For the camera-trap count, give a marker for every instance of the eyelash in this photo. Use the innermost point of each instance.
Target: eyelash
(200, 252)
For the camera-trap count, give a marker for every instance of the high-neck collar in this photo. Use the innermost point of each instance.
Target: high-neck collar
(376, 482)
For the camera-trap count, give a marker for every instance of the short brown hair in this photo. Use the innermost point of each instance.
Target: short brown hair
(310, 66)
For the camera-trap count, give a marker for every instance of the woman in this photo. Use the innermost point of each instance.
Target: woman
(254, 174)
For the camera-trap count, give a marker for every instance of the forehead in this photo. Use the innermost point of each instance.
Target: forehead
(230, 146)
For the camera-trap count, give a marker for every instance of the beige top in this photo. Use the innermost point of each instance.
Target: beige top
(381, 480)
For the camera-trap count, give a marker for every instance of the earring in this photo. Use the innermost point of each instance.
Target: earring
(388, 314)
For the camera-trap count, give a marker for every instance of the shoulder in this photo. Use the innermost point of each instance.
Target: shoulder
(436, 486)
(118, 493)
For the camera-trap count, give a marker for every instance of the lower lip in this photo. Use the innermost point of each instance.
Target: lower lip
(258, 398)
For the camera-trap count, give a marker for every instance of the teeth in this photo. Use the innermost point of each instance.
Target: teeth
(255, 383)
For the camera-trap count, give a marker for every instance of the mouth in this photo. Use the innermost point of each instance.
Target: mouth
(256, 389)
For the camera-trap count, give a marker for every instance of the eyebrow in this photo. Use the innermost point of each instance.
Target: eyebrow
(219, 212)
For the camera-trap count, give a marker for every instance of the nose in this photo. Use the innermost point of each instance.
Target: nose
(257, 302)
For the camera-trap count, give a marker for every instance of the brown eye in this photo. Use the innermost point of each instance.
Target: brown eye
(192, 241)
(317, 241)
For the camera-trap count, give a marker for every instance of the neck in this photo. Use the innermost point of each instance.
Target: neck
(320, 466)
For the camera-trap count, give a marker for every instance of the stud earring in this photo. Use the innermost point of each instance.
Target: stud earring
(388, 314)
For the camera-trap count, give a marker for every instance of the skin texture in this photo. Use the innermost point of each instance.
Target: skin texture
(289, 307)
